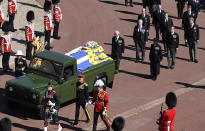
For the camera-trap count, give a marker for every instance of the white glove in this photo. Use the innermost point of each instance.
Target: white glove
(89, 102)
(51, 103)
(104, 113)
(54, 111)
(86, 104)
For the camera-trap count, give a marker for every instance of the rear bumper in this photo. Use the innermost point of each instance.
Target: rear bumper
(23, 103)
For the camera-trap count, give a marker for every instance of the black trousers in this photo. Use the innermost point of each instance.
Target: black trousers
(126, 2)
(29, 50)
(154, 69)
(140, 46)
(180, 8)
(164, 34)
(77, 111)
(96, 115)
(47, 39)
(11, 20)
(117, 62)
(157, 29)
(55, 31)
(5, 60)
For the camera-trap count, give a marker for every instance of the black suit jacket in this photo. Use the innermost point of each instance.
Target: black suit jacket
(158, 18)
(172, 41)
(155, 54)
(181, 1)
(193, 33)
(117, 47)
(166, 26)
(158, 2)
(146, 20)
(186, 16)
(195, 5)
(139, 35)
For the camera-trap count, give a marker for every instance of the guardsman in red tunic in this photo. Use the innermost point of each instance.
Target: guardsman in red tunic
(29, 32)
(167, 118)
(100, 99)
(5, 41)
(12, 10)
(57, 18)
(1, 13)
(48, 24)
(51, 106)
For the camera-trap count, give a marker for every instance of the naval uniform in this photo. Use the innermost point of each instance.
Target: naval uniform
(20, 66)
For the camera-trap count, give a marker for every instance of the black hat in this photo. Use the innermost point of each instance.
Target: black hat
(5, 124)
(50, 83)
(55, 1)
(30, 15)
(6, 26)
(47, 6)
(118, 124)
(171, 100)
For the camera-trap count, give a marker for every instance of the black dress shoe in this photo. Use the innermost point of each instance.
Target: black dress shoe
(13, 30)
(136, 61)
(87, 121)
(131, 5)
(154, 78)
(75, 123)
(196, 61)
(57, 37)
(9, 69)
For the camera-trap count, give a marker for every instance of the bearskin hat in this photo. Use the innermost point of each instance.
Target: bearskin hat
(118, 124)
(6, 26)
(30, 15)
(171, 100)
(55, 1)
(47, 6)
(5, 124)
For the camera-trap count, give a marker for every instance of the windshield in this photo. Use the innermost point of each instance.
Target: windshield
(46, 66)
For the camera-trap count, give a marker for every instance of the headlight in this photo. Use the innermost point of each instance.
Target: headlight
(34, 96)
(11, 89)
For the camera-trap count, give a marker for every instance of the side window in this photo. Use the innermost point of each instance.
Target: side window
(68, 72)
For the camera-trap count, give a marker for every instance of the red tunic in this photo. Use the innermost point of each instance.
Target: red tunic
(48, 21)
(167, 120)
(6, 41)
(29, 32)
(12, 7)
(101, 101)
(1, 15)
(57, 14)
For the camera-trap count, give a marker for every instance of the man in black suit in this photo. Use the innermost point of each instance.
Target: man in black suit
(158, 17)
(192, 39)
(185, 21)
(154, 5)
(117, 49)
(139, 36)
(166, 25)
(180, 7)
(172, 41)
(195, 4)
(155, 56)
(146, 22)
(126, 3)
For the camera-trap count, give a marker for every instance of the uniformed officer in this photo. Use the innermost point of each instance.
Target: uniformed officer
(154, 5)
(139, 36)
(1, 13)
(155, 57)
(167, 118)
(117, 49)
(158, 17)
(57, 18)
(195, 4)
(5, 124)
(51, 106)
(100, 99)
(192, 39)
(130, 1)
(180, 7)
(20, 64)
(185, 21)
(82, 99)
(48, 24)
(118, 123)
(12, 10)
(172, 41)
(166, 25)
(145, 22)
(29, 32)
(5, 42)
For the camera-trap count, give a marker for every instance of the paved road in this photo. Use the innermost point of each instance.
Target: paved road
(134, 95)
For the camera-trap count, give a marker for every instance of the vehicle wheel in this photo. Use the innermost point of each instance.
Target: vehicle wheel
(41, 112)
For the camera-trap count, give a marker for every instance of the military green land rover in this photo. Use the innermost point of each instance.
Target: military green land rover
(63, 70)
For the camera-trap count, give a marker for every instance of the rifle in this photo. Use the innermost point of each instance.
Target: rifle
(160, 114)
